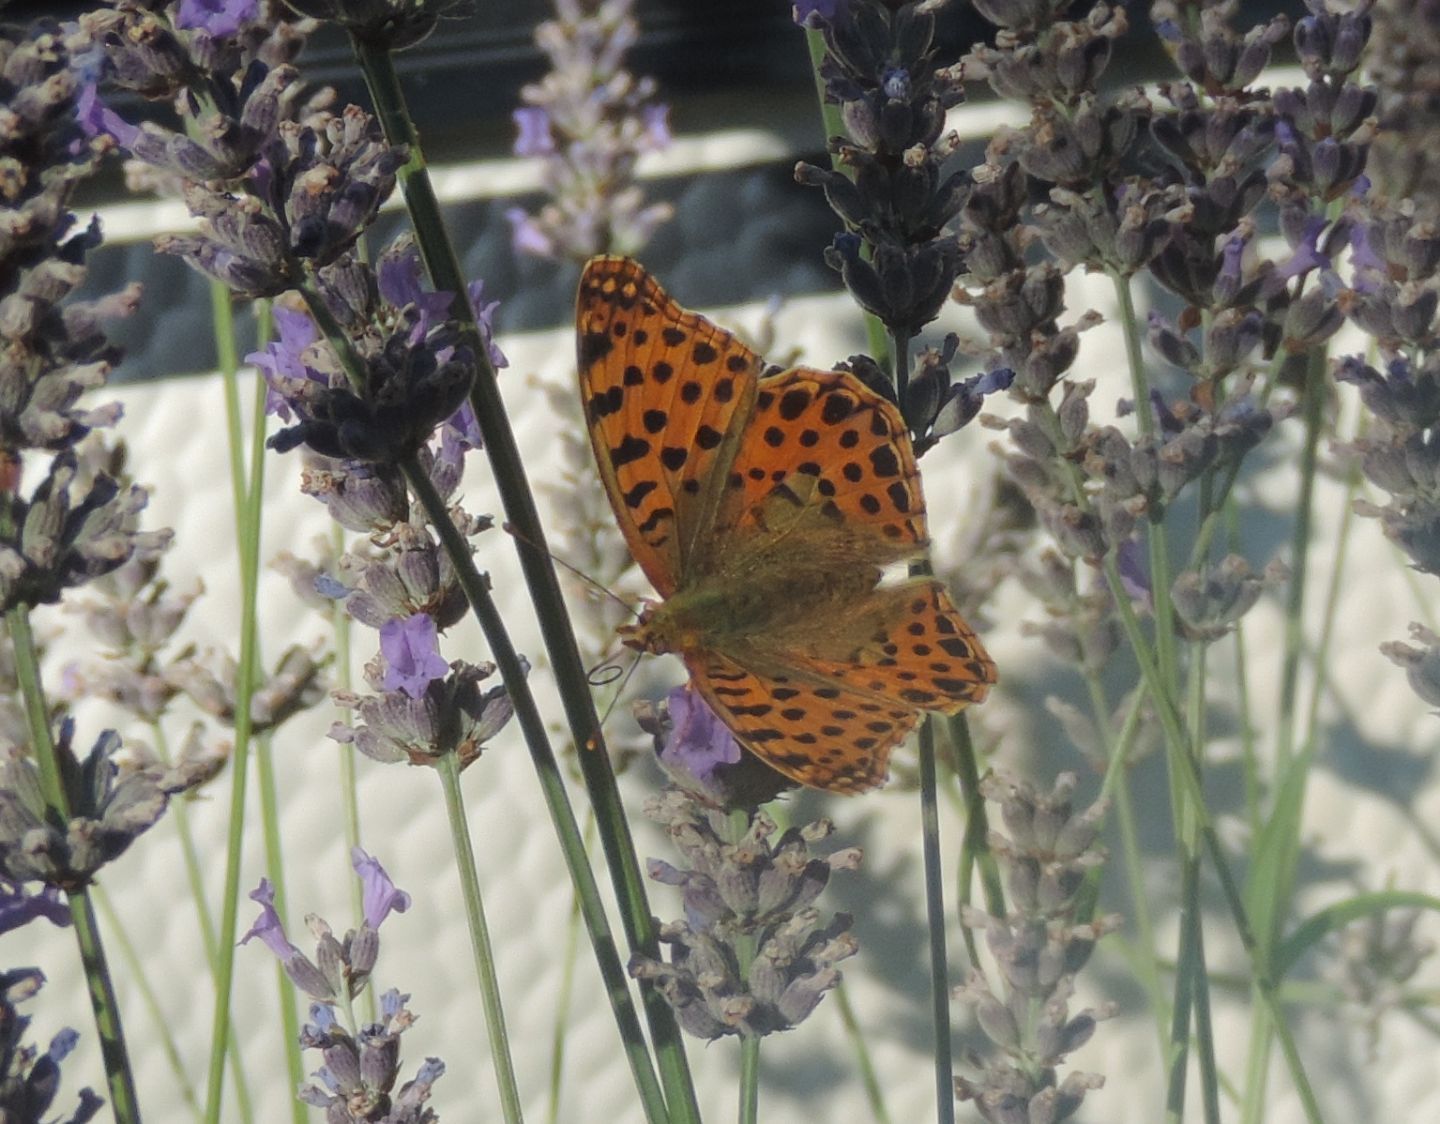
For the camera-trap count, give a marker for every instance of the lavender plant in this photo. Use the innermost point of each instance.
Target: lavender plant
(383, 375)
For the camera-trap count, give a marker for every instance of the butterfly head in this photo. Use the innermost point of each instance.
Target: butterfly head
(656, 631)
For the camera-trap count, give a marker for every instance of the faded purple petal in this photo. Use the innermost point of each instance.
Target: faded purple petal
(532, 128)
(1130, 562)
(810, 13)
(281, 358)
(1307, 255)
(656, 119)
(460, 434)
(699, 741)
(412, 654)
(268, 926)
(96, 118)
(18, 908)
(217, 18)
(526, 235)
(379, 895)
(485, 318)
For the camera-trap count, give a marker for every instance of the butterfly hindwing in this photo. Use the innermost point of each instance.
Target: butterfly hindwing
(815, 732)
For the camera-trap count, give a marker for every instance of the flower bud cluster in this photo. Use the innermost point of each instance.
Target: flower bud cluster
(356, 1083)
(30, 1079)
(1403, 61)
(1039, 947)
(110, 806)
(881, 70)
(589, 121)
(79, 521)
(753, 955)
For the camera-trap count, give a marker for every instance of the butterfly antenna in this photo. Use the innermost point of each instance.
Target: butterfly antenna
(509, 529)
(620, 690)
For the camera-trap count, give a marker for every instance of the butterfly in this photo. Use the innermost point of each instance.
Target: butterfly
(765, 506)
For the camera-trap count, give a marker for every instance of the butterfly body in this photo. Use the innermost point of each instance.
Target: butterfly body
(766, 508)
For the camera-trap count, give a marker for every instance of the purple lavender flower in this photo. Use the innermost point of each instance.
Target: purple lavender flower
(379, 894)
(301, 970)
(532, 132)
(216, 18)
(268, 926)
(810, 13)
(412, 654)
(98, 119)
(18, 908)
(282, 359)
(699, 741)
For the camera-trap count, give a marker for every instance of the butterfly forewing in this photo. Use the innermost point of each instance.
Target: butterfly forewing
(836, 448)
(665, 394)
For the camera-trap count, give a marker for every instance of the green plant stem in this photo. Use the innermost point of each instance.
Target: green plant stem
(539, 574)
(935, 923)
(565, 995)
(54, 784)
(248, 507)
(246, 494)
(132, 963)
(532, 728)
(482, 950)
(869, 1079)
(975, 843)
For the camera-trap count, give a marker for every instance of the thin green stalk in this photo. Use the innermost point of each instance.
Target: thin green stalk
(749, 1107)
(564, 995)
(246, 484)
(746, 945)
(532, 728)
(1269, 897)
(1314, 420)
(539, 573)
(135, 972)
(975, 843)
(119, 1080)
(1188, 776)
(248, 506)
(275, 867)
(349, 787)
(935, 923)
(869, 1079)
(481, 948)
(1204, 1028)
(178, 812)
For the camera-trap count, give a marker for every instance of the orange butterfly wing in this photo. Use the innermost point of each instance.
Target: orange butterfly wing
(663, 390)
(764, 510)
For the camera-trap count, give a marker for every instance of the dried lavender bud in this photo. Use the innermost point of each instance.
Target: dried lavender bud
(418, 366)
(589, 121)
(29, 1079)
(451, 715)
(1422, 665)
(294, 686)
(391, 24)
(109, 809)
(1038, 946)
(414, 576)
(745, 893)
(70, 531)
(1379, 956)
(1211, 600)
